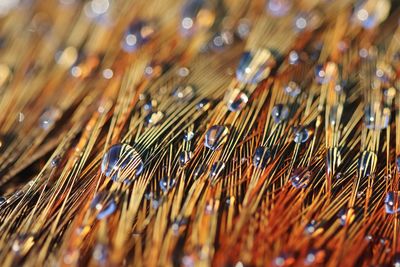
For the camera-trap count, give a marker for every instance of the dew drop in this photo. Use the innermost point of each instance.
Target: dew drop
(292, 89)
(184, 157)
(294, 57)
(301, 177)
(280, 113)
(184, 92)
(278, 8)
(236, 99)
(203, 105)
(49, 117)
(216, 171)
(55, 161)
(216, 136)
(392, 202)
(243, 29)
(367, 163)
(104, 205)
(154, 118)
(167, 183)
(314, 228)
(188, 135)
(137, 35)
(120, 162)
(198, 171)
(301, 134)
(261, 157)
(255, 67)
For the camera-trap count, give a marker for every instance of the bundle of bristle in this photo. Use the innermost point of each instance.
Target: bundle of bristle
(199, 133)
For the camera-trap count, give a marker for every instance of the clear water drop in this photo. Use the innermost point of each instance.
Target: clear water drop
(280, 113)
(188, 135)
(216, 137)
(255, 67)
(261, 157)
(103, 204)
(301, 135)
(301, 177)
(199, 170)
(184, 157)
(49, 117)
(154, 118)
(392, 202)
(216, 171)
(184, 92)
(278, 8)
(292, 89)
(121, 162)
(236, 99)
(167, 183)
(137, 35)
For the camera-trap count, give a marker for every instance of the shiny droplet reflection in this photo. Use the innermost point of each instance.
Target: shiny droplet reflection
(261, 157)
(301, 177)
(103, 204)
(280, 113)
(184, 92)
(184, 157)
(121, 162)
(49, 117)
(392, 202)
(236, 99)
(138, 34)
(166, 183)
(301, 134)
(154, 118)
(216, 137)
(255, 67)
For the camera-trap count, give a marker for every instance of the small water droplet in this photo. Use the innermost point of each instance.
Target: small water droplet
(292, 89)
(55, 161)
(184, 157)
(154, 118)
(137, 35)
(284, 259)
(188, 135)
(343, 216)
(314, 228)
(216, 171)
(236, 99)
(195, 14)
(199, 170)
(372, 121)
(367, 163)
(301, 177)
(221, 40)
(183, 72)
(392, 202)
(315, 256)
(301, 134)
(184, 92)
(243, 28)
(104, 205)
(167, 183)
(150, 106)
(216, 136)
(280, 113)
(23, 243)
(261, 157)
(49, 117)
(294, 57)
(278, 8)
(255, 67)
(120, 162)
(203, 105)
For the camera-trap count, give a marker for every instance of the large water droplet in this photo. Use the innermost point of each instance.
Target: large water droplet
(280, 113)
(236, 99)
(255, 67)
(154, 118)
(184, 157)
(292, 89)
(261, 157)
(167, 183)
(184, 92)
(216, 136)
(367, 163)
(104, 205)
(301, 177)
(138, 34)
(392, 202)
(121, 162)
(49, 117)
(301, 134)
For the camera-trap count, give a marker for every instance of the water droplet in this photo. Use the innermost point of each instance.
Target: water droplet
(284, 259)
(301, 134)
(184, 157)
(120, 162)
(280, 113)
(372, 121)
(278, 8)
(183, 72)
(104, 205)
(108, 73)
(320, 74)
(216, 171)
(203, 105)
(21, 117)
(221, 40)
(166, 183)
(150, 106)
(49, 117)
(301, 177)
(261, 157)
(23, 243)
(184, 92)
(198, 171)
(216, 136)
(137, 35)
(154, 118)
(55, 161)
(188, 135)
(343, 216)
(372, 14)
(392, 202)
(315, 256)
(314, 228)
(255, 67)
(294, 57)
(100, 253)
(243, 28)
(195, 15)
(236, 99)
(292, 89)
(367, 163)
